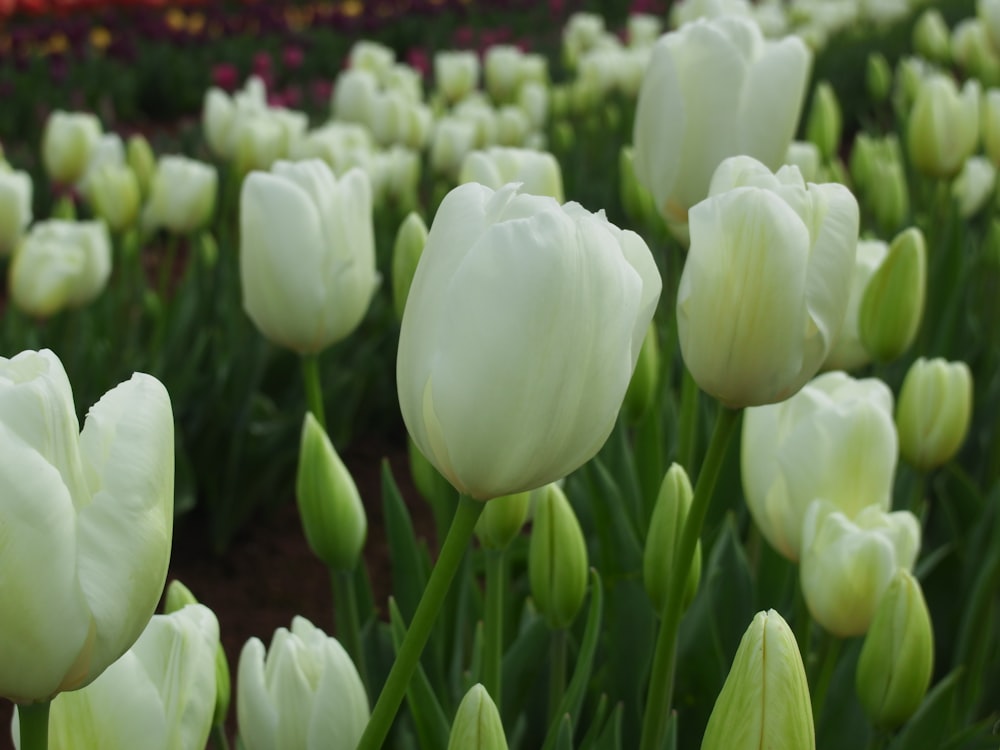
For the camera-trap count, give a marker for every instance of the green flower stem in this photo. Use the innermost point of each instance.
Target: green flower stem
(828, 656)
(687, 429)
(557, 671)
(661, 683)
(314, 390)
(496, 581)
(345, 602)
(452, 552)
(34, 725)
(218, 736)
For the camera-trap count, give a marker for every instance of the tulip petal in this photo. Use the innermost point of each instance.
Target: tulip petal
(255, 708)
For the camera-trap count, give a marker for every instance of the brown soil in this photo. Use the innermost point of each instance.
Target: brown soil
(269, 574)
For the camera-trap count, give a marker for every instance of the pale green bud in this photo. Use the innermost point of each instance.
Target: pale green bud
(825, 121)
(943, 127)
(765, 700)
(409, 245)
(893, 303)
(889, 196)
(641, 393)
(115, 194)
(931, 38)
(178, 596)
(897, 658)
(806, 156)
(878, 77)
(557, 559)
(862, 161)
(502, 519)
(142, 160)
(666, 527)
(333, 516)
(636, 199)
(477, 724)
(934, 411)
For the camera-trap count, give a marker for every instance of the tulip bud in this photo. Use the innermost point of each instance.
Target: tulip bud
(477, 724)
(934, 411)
(643, 387)
(502, 519)
(453, 138)
(848, 353)
(557, 559)
(893, 303)
(806, 156)
(177, 597)
(847, 563)
(67, 142)
(142, 161)
(116, 196)
(878, 77)
(897, 658)
(333, 516)
(635, 198)
(537, 171)
(931, 38)
(943, 126)
(974, 185)
(456, 73)
(889, 196)
(825, 120)
(182, 196)
(15, 208)
(765, 700)
(406, 252)
(664, 537)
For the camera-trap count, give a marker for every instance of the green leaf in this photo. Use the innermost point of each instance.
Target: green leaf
(933, 721)
(408, 579)
(520, 665)
(564, 741)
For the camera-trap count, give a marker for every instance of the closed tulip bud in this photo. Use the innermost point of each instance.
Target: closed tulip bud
(664, 537)
(141, 159)
(988, 14)
(834, 439)
(931, 38)
(88, 518)
(182, 197)
(848, 562)
(595, 285)
(67, 142)
(935, 408)
(330, 507)
(720, 71)
(502, 520)
(537, 171)
(825, 121)
(974, 186)
(177, 597)
(636, 199)
(322, 297)
(406, 252)
(15, 208)
(259, 143)
(533, 99)
(764, 702)
(456, 73)
(758, 311)
(893, 303)
(897, 658)
(806, 156)
(943, 127)
(557, 559)
(848, 353)
(158, 695)
(373, 56)
(59, 265)
(304, 694)
(645, 382)
(878, 77)
(477, 724)
(889, 196)
(453, 138)
(115, 194)
(501, 71)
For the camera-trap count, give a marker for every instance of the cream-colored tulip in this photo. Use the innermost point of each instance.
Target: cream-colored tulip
(307, 253)
(67, 141)
(766, 282)
(182, 198)
(834, 439)
(492, 399)
(15, 208)
(537, 171)
(88, 519)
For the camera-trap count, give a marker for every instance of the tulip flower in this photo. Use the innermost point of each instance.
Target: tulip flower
(221, 114)
(935, 408)
(141, 159)
(477, 724)
(182, 196)
(825, 121)
(557, 559)
(303, 694)
(88, 518)
(766, 283)
(115, 194)
(848, 353)
(931, 38)
(160, 695)
(714, 89)
(456, 73)
(834, 439)
(67, 142)
(60, 264)
(897, 658)
(764, 702)
(537, 171)
(847, 563)
(492, 399)
(943, 127)
(15, 207)
(406, 251)
(307, 253)
(974, 185)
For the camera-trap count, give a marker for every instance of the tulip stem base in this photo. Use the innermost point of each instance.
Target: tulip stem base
(661, 682)
(345, 601)
(34, 725)
(314, 388)
(408, 657)
(496, 581)
(557, 671)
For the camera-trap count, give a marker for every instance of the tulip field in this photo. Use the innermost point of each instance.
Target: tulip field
(679, 322)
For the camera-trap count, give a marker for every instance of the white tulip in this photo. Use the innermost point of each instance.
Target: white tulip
(847, 352)
(88, 521)
(456, 73)
(183, 195)
(538, 172)
(67, 141)
(15, 208)
(498, 403)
